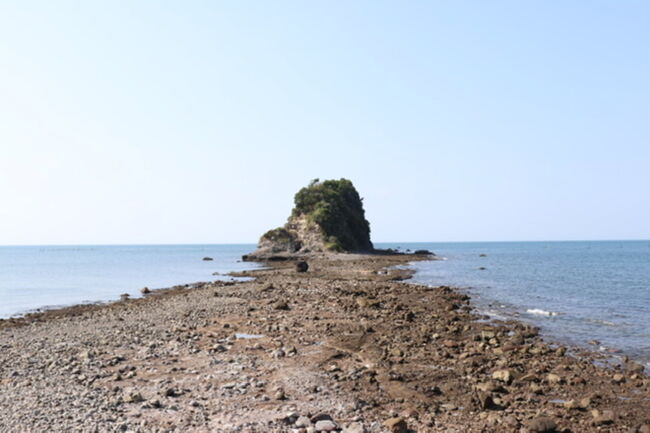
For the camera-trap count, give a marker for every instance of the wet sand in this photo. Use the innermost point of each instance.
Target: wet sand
(349, 346)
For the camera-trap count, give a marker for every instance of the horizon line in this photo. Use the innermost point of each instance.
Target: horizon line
(374, 242)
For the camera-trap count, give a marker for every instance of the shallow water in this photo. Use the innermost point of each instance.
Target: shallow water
(575, 291)
(33, 277)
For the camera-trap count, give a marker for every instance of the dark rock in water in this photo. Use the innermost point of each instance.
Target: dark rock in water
(423, 253)
(482, 268)
(207, 259)
(482, 255)
(302, 266)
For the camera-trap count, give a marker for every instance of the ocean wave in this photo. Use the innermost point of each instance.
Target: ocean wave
(539, 312)
(602, 322)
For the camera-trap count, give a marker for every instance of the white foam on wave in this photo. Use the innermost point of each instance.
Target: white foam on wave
(539, 312)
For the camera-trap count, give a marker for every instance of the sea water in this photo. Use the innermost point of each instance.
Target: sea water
(576, 292)
(590, 294)
(36, 277)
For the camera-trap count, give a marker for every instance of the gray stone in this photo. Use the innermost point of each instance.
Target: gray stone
(355, 427)
(303, 421)
(325, 425)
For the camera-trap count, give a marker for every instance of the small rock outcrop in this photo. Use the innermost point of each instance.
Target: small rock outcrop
(302, 266)
(328, 216)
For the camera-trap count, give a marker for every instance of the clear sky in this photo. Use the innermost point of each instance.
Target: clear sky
(197, 121)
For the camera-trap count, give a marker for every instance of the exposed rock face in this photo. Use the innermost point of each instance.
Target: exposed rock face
(327, 216)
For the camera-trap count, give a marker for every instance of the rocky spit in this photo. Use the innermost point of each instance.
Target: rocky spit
(348, 346)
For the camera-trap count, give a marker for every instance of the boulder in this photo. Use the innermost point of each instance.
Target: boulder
(302, 266)
(541, 424)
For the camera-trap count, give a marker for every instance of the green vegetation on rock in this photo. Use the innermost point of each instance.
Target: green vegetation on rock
(334, 210)
(335, 207)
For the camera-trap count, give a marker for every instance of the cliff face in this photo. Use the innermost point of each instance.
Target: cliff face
(327, 216)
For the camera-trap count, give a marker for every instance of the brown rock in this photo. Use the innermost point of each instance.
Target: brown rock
(450, 343)
(585, 403)
(396, 425)
(602, 418)
(530, 377)
(634, 367)
(570, 405)
(409, 413)
(486, 401)
(554, 378)
(541, 424)
(281, 305)
(503, 376)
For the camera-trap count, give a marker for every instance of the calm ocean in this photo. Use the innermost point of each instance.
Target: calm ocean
(48, 276)
(575, 292)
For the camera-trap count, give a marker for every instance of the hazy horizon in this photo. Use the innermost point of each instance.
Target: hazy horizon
(196, 123)
(374, 242)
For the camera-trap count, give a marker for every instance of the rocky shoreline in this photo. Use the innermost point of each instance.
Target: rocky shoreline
(348, 346)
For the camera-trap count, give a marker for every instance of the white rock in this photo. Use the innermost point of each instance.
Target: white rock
(325, 425)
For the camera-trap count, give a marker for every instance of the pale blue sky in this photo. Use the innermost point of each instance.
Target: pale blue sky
(197, 121)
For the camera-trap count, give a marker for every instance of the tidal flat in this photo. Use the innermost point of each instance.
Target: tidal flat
(350, 345)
